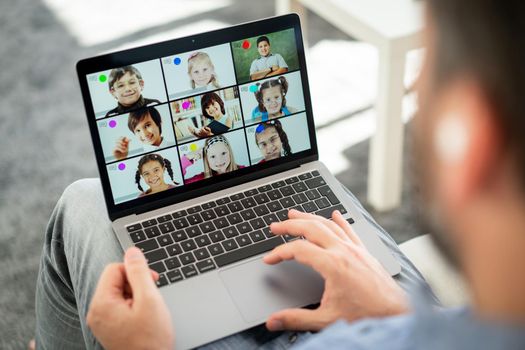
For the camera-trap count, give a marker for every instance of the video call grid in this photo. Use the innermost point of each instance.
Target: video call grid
(185, 97)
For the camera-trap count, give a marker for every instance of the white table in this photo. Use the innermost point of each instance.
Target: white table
(394, 27)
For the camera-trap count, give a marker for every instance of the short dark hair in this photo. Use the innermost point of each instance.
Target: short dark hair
(263, 38)
(136, 116)
(118, 73)
(208, 99)
(482, 39)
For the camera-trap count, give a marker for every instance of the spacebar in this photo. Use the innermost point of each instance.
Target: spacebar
(246, 252)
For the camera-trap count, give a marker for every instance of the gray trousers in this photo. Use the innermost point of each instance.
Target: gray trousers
(80, 242)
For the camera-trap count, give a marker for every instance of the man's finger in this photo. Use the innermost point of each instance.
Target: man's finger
(138, 273)
(313, 230)
(127, 287)
(296, 319)
(337, 217)
(296, 214)
(109, 295)
(303, 252)
(112, 282)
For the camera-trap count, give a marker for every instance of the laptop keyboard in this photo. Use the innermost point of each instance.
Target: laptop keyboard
(214, 234)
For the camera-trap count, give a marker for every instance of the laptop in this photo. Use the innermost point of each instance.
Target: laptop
(202, 142)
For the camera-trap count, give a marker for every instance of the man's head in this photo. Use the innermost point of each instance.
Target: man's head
(469, 134)
(126, 85)
(263, 46)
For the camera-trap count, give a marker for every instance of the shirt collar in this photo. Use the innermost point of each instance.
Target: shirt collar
(271, 54)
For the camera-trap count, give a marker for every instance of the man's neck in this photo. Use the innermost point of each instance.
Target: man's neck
(493, 258)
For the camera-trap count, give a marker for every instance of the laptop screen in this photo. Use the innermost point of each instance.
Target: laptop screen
(175, 121)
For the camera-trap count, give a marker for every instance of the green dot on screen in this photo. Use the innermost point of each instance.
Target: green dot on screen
(102, 78)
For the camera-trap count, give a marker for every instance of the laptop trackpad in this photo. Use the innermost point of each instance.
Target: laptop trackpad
(259, 289)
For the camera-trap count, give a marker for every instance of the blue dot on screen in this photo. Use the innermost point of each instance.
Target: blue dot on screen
(176, 61)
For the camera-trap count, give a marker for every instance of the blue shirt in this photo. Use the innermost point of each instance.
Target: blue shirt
(256, 113)
(430, 330)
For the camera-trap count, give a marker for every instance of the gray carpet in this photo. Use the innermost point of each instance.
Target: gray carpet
(45, 143)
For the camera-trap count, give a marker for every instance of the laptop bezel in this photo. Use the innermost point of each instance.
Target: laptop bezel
(185, 44)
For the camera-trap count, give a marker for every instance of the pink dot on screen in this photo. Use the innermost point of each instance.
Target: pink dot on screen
(246, 44)
(112, 123)
(121, 166)
(185, 104)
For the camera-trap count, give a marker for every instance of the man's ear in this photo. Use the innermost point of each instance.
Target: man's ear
(112, 92)
(141, 83)
(451, 138)
(467, 143)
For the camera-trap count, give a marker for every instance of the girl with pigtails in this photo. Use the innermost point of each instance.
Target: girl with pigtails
(271, 99)
(151, 169)
(272, 140)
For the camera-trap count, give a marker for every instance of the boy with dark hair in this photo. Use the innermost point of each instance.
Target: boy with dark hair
(268, 63)
(146, 125)
(126, 85)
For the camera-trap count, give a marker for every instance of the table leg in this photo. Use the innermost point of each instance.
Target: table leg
(287, 6)
(282, 7)
(386, 147)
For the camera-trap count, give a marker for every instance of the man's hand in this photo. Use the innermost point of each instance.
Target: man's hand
(356, 285)
(121, 148)
(127, 310)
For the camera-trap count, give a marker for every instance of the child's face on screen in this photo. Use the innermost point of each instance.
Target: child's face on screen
(269, 143)
(214, 110)
(218, 157)
(201, 73)
(272, 99)
(148, 132)
(128, 89)
(153, 173)
(263, 48)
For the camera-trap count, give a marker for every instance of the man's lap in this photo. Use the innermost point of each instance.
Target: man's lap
(80, 243)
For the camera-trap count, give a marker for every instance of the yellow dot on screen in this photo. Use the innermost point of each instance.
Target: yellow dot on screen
(193, 147)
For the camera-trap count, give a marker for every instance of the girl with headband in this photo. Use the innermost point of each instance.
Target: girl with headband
(218, 158)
